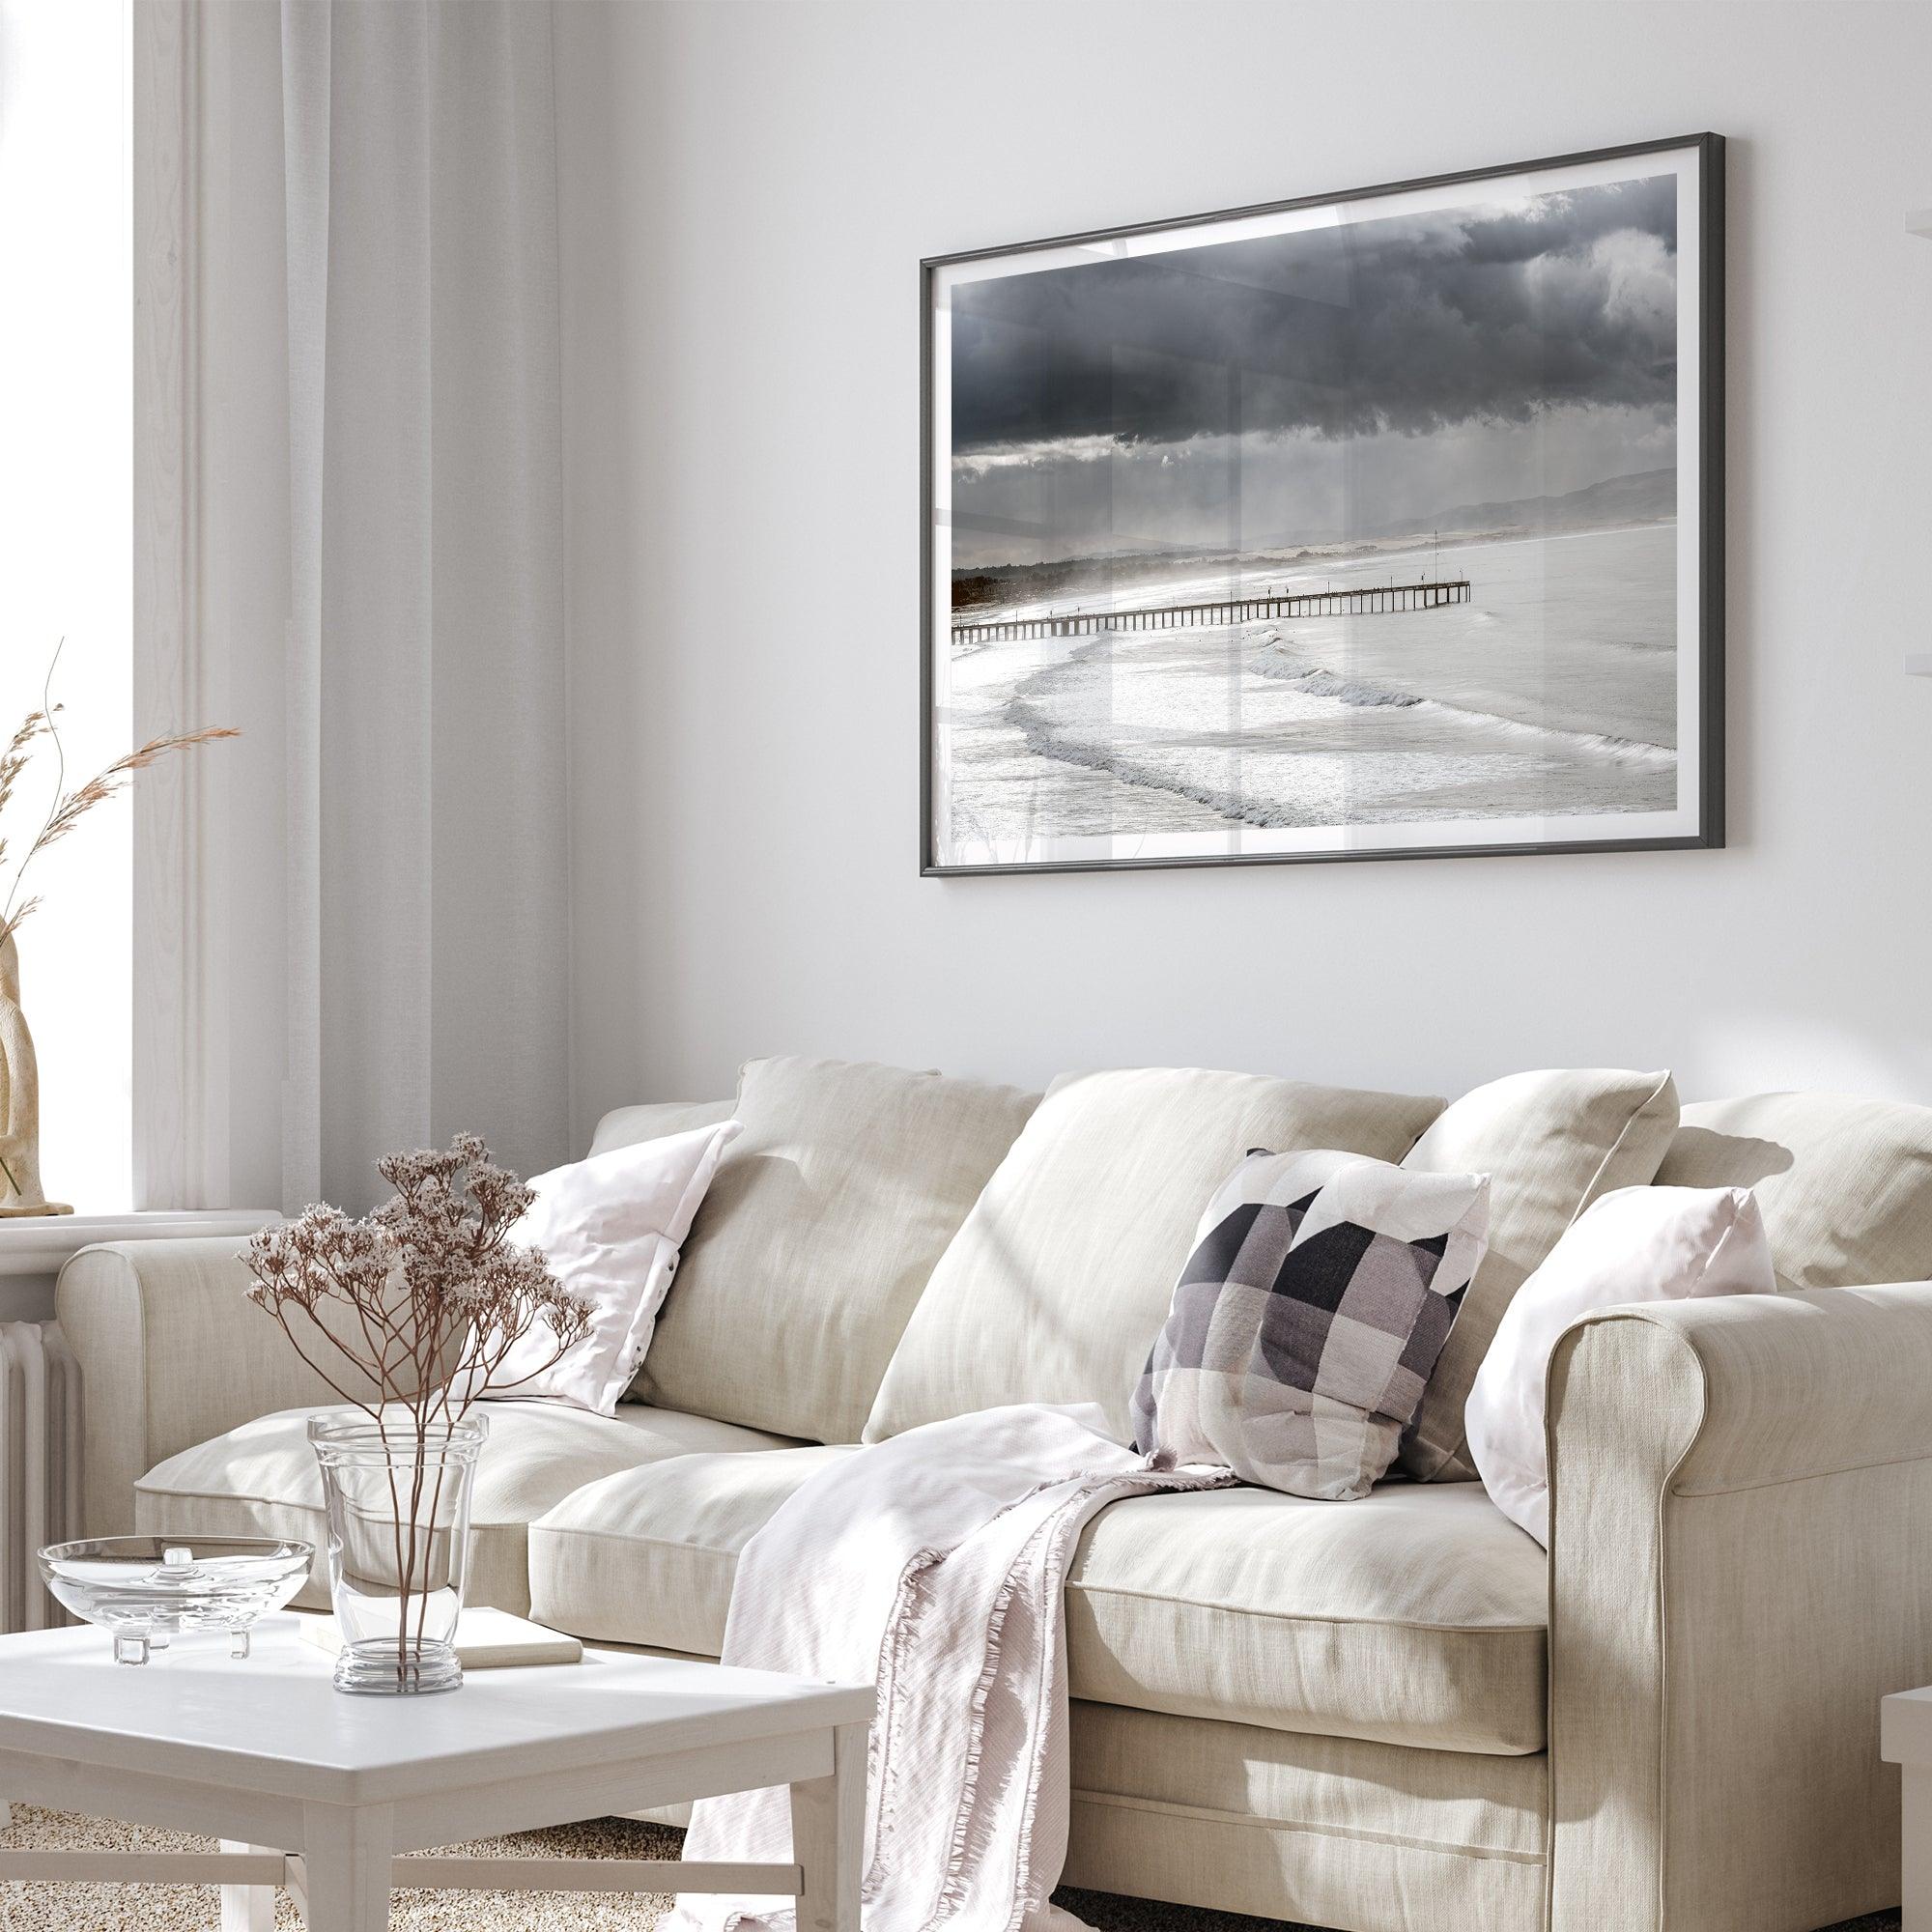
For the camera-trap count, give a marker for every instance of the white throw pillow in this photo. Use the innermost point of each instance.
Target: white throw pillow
(612, 1227)
(1639, 1244)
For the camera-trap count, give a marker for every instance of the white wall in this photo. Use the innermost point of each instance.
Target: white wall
(745, 191)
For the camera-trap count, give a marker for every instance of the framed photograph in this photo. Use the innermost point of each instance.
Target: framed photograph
(1380, 524)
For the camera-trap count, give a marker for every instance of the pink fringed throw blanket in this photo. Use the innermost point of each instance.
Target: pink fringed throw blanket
(933, 1563)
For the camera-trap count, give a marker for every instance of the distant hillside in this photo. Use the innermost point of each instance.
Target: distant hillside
(1001, 584)
(1649, 494)
(1645, 498)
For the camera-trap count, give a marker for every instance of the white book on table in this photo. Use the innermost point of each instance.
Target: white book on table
(485, 1640)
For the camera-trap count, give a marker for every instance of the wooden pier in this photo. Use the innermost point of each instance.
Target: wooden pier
(1364, 601)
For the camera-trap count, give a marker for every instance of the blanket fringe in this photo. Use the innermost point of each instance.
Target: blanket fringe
(910, 1602)
(954, 1885)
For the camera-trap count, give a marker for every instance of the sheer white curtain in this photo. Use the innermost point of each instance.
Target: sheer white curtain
(423, 703)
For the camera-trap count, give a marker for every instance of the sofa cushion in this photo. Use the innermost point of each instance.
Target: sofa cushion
(1844, 1183)
(626, 1126)
(1061, 1278)
(261, 1480)
(1550, 1143)
(651, 1562)
(816, 1238)
(1415, 1616)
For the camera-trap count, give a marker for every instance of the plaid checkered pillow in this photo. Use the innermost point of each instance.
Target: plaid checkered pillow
(1305, 1323)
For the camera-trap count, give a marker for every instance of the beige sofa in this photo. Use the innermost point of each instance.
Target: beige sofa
(1396, 1715)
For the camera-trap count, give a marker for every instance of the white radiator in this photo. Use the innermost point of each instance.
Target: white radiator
(39, 1465)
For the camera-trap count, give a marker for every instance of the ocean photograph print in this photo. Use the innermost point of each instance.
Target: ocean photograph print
(1373, 525)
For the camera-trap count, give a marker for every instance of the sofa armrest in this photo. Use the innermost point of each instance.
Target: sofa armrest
(171, 1353)
(1740, 1567)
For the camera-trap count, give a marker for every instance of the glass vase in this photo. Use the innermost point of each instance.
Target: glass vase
(397, 1494)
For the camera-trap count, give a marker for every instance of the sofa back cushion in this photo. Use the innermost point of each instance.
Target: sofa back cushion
(1844, 1183)
(1060, 1280)
(628, 1126)
(817, 1236)
(1550, 1143)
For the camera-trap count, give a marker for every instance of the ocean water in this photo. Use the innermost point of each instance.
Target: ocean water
(1551, 692)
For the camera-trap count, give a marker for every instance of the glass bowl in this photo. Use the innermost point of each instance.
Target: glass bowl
(143, 1590)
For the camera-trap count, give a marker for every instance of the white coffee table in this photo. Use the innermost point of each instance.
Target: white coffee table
(319, 1792)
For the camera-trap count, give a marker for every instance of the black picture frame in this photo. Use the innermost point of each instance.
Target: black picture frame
(1706, 408)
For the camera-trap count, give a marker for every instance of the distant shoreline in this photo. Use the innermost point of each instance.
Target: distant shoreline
(991, 586)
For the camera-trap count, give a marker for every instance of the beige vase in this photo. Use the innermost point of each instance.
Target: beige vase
(19, 1100)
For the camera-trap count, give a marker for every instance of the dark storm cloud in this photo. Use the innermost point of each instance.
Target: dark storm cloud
(1410, 324)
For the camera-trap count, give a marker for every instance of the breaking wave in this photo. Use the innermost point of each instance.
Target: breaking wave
(1273, 661)
(1318, 683)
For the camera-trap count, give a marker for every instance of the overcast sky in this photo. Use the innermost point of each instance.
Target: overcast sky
(1326, 381)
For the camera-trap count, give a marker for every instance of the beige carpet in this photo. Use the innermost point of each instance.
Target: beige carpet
(193, 1908)
(187, 1908)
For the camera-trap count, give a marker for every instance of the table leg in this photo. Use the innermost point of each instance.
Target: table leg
(246, 1908)
(1917, 1845)
(828, 1831)
(346, 1867)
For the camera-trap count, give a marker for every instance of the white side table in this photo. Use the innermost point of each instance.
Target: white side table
(1905, 1739)
(318, 1792)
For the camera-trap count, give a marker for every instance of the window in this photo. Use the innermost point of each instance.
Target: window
(66, 442)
